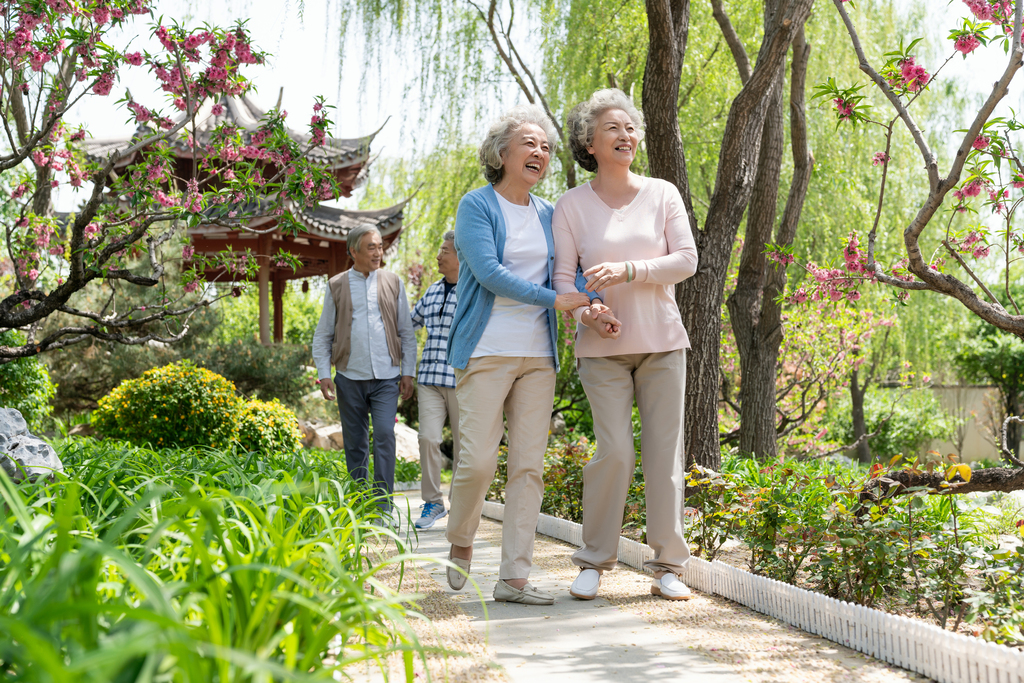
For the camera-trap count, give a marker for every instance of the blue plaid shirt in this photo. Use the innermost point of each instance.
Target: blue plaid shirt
(434, 369)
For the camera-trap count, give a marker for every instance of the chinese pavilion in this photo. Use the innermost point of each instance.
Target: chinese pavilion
(321, 247)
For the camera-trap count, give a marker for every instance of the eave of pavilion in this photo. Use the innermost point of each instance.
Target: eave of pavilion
(321, 246)
(347, 158)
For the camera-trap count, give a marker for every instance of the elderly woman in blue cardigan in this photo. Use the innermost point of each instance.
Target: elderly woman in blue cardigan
(502, 346)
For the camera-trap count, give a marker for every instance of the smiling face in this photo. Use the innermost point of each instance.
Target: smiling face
(526, 158)
(615, 139)
(370, 254)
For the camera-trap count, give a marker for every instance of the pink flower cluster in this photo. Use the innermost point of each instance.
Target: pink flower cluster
(974, 244)
(967, 43)
(880, 159)
(914, 75)
(844, 107)
(981, 142)
(91, 231)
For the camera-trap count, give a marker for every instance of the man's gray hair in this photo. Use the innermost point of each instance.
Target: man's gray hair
(501, 132)
(582, 122)
(356, 234)
(448, 237)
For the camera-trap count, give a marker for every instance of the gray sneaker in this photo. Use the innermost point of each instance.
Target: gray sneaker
(527, 595)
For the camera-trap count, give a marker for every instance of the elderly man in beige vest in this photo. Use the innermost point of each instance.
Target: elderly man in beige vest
(366, 333)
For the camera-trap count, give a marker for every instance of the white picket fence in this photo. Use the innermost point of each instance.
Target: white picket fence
(916, 645)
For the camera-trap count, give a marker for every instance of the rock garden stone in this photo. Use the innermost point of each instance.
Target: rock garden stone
(22, 455)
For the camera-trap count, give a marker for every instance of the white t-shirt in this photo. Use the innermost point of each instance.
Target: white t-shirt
(517, 329)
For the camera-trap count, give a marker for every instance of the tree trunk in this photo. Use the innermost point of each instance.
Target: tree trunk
(860, 427)
(700, 297)
(1013, 407)
(757, 363)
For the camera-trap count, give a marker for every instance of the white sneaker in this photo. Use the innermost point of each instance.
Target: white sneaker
(586, 584)
(671, 588)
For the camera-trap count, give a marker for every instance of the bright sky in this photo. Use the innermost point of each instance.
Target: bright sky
(304, 43)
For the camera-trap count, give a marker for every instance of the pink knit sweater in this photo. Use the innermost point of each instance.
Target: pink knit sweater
(653, 233)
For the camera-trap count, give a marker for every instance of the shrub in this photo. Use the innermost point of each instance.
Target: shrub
(268, 427)
(914, 420)
(25, 384)
(264, 372)
(176, 405)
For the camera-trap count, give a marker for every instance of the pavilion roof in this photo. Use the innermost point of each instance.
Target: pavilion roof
(335, 153)
(322, 222)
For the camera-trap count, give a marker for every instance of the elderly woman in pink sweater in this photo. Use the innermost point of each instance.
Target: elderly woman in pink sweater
(632, 238)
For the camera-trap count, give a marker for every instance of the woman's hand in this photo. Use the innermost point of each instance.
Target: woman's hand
(571, 301)
(604, 275)
(600, 319)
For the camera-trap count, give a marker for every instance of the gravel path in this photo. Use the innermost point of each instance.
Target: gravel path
(734, 642)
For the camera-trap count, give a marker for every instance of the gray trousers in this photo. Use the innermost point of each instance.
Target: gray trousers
(358, 400)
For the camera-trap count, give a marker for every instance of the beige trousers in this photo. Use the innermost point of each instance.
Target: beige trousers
(524, 389)
(658, 380)
(436, 403)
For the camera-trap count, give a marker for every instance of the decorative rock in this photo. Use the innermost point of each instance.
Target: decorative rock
(23, 456)
(308, 430)
(83, 429)
(407, 443)
(557, 424)
(328, 438)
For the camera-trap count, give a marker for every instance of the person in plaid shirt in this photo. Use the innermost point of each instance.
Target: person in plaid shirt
(436, 380)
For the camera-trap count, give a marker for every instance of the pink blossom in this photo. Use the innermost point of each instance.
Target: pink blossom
(33, 274)
(192, 286)
(973, 188)
(967, 43)
(880, 159)
(91, 231)
(19, 191)
(844, 107)
(981, 142)
(134, 58)
(981, 9)
(217, 109)
(187, 252)
(104, 84)
(980, 252)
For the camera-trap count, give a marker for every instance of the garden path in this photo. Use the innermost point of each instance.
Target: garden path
(628, 634)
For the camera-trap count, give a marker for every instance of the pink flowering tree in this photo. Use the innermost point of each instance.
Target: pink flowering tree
(982, 186)
(128, 232)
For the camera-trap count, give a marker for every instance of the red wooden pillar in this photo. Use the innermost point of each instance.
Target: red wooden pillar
(279, 285)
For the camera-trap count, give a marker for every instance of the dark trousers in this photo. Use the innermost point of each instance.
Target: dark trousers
(357, 401)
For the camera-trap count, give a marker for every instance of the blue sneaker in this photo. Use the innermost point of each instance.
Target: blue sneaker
(431, 513)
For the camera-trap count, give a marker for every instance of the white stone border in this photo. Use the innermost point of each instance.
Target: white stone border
(908, 643)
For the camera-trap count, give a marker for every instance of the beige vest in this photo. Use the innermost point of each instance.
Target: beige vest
(387, 301)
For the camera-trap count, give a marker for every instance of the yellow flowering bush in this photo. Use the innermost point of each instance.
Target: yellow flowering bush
(268, 427)
(176, 405)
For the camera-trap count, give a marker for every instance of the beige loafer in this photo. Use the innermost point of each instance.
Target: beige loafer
(456, 579)
(586, 584)
(671, 588)
(527, 595)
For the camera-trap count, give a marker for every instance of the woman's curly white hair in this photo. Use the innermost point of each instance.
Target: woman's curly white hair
(501, 132)
(582, 122)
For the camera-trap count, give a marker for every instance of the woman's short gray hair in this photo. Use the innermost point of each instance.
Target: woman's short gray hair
(356, 234)
(448, 237)
(582, 122)
(501, 132)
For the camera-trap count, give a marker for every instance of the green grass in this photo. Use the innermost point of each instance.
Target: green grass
(192, 565)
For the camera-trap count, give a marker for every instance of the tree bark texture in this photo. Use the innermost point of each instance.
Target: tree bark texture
(989, 480)
(700, 297)
(668, 27)
(860, 427)
(757, 363)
